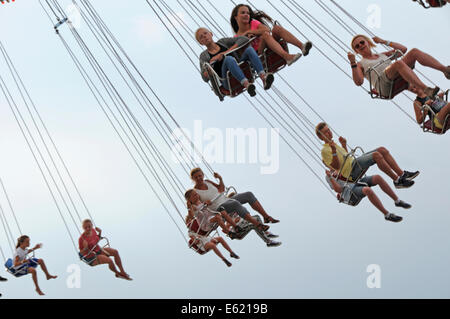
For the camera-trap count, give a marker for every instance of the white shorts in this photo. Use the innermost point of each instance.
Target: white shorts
(383, 85)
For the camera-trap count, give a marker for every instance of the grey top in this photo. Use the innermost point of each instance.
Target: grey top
(225, 42)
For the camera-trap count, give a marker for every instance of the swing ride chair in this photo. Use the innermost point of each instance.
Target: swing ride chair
(353, 200)
(195, 227)
(428, 126)
(244, 225)
(397, 86)
(271, 61)
(90, 263)
(431, 3)
(18, 271)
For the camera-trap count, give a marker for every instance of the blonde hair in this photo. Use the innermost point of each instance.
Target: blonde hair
(198, 30)
(369, 40)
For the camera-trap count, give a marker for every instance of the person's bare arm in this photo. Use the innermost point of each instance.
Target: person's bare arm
(357, 70)
(420, 116)
(335, 163)
(337, 188)
(394, 45)
(221, 183)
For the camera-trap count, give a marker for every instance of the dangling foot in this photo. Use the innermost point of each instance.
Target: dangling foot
(273, 244)
(270, 235)
(294, 59)
(233, 255)
(393, 218)
(410, 175)
(227, 262)
(123, 276)
(263, 227)
(403, 183)
(51, 277)
(40, 293)
(270, 219)
(306, 47)
(403, 204)
(251, 89)
(268, 81)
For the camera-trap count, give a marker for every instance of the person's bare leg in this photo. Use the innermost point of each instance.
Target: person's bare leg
(225, 245)
(423, 58)
(443, 113)
(378, 180)
(260, 209)
(405, 72)
(213, 246)
(390, 160)
(374, 200)
(117, 259)
(44, 269)
(102, 259)
(276, 47)
(33, 273)
(227, 217)
(217, 219)
(384, 166)
(280, 32)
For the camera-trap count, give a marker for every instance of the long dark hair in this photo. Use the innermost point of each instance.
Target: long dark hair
(254, 15)
(20, 240)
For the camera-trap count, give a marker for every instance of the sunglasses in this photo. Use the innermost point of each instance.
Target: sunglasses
(358, 45)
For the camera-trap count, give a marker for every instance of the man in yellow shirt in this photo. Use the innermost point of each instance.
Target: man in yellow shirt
(334, 157)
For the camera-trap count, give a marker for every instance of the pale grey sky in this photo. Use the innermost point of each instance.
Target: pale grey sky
(326, 246)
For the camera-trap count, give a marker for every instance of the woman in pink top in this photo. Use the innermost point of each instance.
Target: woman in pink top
(94, 255)
(246, 22)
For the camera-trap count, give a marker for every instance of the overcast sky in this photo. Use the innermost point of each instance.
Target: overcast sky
(327, 246)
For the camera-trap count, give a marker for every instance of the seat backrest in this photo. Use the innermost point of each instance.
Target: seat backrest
(436, 3)
(273, 62)
(235, 86)
(9, 263)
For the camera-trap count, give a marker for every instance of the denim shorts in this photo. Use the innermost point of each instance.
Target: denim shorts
(356, 190)
(362, 163)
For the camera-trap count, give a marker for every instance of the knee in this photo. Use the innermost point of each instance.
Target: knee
(40, 261)
(114, 252)
(368, 191)
(32, 270)
(376, 179)
(266, 35)
(276, 29)
(229, 60)
(383, 150)
(377, 156)
(413, 52)
(400, 64)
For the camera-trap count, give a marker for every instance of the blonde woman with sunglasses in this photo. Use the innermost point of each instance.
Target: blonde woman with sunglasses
(387, 70)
